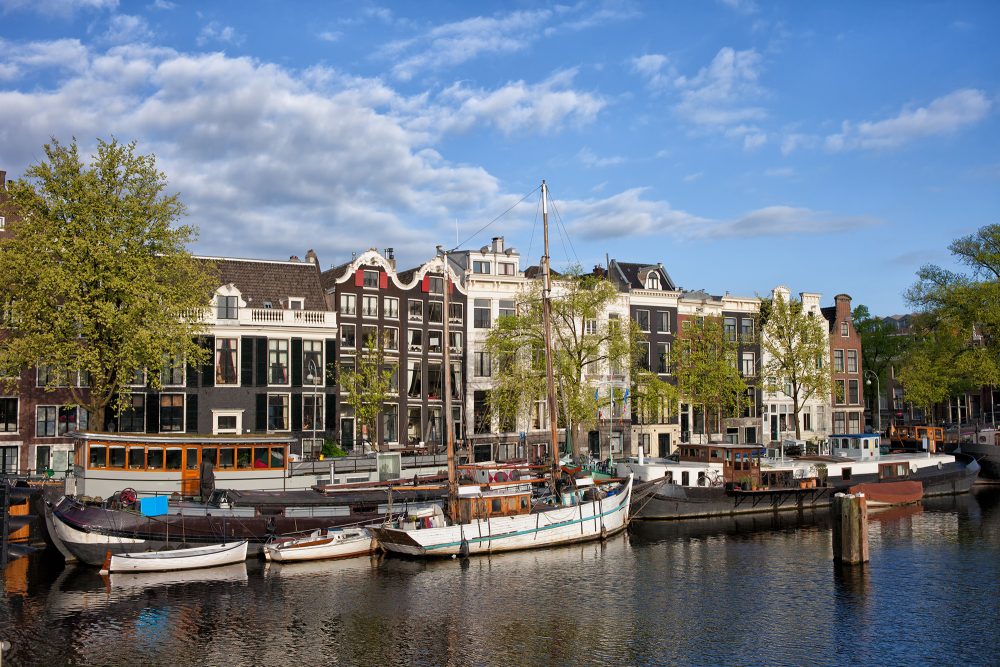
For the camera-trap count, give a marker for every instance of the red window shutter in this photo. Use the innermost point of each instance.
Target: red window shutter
(425, 284)
(359, 278)
(383, 280)
(451, 286)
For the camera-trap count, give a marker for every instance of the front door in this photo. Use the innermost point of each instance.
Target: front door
(190, 477)
(664, 445)
(774, 428)
(594, 444)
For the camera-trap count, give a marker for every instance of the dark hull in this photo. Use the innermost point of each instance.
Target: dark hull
(987, 455)
(671, 501)
(89, 532)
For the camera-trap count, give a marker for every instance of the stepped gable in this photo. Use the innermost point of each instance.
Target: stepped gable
(261, 281)
(632, 275)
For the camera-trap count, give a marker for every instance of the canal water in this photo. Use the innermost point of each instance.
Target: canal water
(752, 591)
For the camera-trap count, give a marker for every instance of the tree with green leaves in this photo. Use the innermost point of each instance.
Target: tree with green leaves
(97, 280)
(367, 386)
(704, 362)
(586, 345)
(882, 347)
(794, 347)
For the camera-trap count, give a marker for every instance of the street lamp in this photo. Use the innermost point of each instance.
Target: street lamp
(877, 409)
(312, 377)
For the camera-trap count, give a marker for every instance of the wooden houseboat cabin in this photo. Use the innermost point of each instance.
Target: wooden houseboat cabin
(105, 463)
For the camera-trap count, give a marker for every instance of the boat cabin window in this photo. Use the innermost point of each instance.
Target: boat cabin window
(524, 502)
(98, 456)
(227, 458)
(845, 474)
(495, 505)
(893, 471)
(685, 478)
(277, 457)
(136, 458)
(243, 458)
(192, 459)
(716, 453)
(154, 458)
(116, 457)
(173, 458)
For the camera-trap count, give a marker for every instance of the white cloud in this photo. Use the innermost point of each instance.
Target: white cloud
(783, 172)
(742, 6)
(789, 220)
(655, 68)
(587, 157)
(330, 35)
(691, 178)
(126, 28)
(720, 94)
(65, 54)
(216, 32)
(944, 115)
(163, 5)
(754, 140)
(60, 8)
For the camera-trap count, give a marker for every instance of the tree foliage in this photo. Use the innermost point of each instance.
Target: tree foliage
(960, 321)
(882, 346)
(705, 364)
(96, 275)
(366, 388)
(794, 349)
(586, 345)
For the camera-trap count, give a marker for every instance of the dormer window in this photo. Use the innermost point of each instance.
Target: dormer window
(653, 280)
(295, 304)
(371, 279)
(227, 307)
(268, 304)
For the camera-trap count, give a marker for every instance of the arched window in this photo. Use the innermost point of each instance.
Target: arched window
(653, 280)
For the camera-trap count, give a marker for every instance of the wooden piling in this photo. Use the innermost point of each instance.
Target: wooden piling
(850, 528)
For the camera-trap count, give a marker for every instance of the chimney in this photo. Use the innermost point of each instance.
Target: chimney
(497, 245)
(390, 256)
(293, 258)
(311, 257)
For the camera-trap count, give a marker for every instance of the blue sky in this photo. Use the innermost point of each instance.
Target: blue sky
(831, 147)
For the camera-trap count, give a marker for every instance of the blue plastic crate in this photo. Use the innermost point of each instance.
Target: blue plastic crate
(155, 506)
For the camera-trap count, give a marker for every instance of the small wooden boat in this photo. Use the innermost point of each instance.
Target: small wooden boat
(321, 544)
(888, 494)
(212, 555)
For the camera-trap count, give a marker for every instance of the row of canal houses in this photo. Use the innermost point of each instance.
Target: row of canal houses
(282, 333)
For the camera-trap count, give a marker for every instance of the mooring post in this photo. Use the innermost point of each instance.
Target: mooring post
(850, 528)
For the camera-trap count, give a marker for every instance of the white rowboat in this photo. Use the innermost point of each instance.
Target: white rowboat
(321, 544)
(177, 559)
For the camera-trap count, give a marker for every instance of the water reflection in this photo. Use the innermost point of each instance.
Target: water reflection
(755, 589)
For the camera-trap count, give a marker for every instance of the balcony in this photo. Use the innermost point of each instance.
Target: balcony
(273, 317)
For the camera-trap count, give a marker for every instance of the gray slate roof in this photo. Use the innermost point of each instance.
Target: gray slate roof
(631, 275)
(274, 281)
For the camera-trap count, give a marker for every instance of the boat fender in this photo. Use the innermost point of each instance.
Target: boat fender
(269, 525)
(463, 548)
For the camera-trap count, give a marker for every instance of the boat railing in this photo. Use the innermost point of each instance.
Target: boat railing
(349, 464)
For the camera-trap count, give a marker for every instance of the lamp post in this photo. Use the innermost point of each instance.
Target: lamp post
(312, 377)
(877, 408)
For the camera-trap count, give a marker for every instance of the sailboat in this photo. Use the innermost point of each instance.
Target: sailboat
(486, 519)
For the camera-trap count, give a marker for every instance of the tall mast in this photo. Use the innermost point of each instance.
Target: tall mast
(448, 419)
(547, 321)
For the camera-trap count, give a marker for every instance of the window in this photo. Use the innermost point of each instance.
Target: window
(391, 338)
(390, 307)
(853, 393)
(416, 340)
(133, 418)
(481, 267)
(347, 335)
(481, 364)
(840, 391)
(435, 285)
(538, 415)
(369, 337)
(854, 422)
(480, 412)
(393, 378)
(3, 223)
(312, 361)
(227, 307)
(390, 422)
(8, 415)
(344, 366)
(416, 311)
(507, 307)
(371, 278)
(172, 373)
(277, 360)
(643, 358)
(663, 358)
(749, 364)
(845, 332)
(312, 412)
(45, 421)
(481, 314)
(852, 361)
(653, 280)
(746, 329)
(506, 269)
(455, 312)
(838, 361)
(455, 341)
(171, 413)
(435, 310)
(226, 361)
(589, 327)
(296, 303)
(435, 382)
(819, 362)
(434, 343)
(807, 420)
(348, 304)
(277, 412)
(369, 306)
(227, 422)
(413, 385)
(663, 321)
(67, 420)
(642, 319)
(413, 426)
(729, 328)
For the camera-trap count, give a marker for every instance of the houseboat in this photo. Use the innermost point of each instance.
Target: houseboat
(984, 446)
(721, 479)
